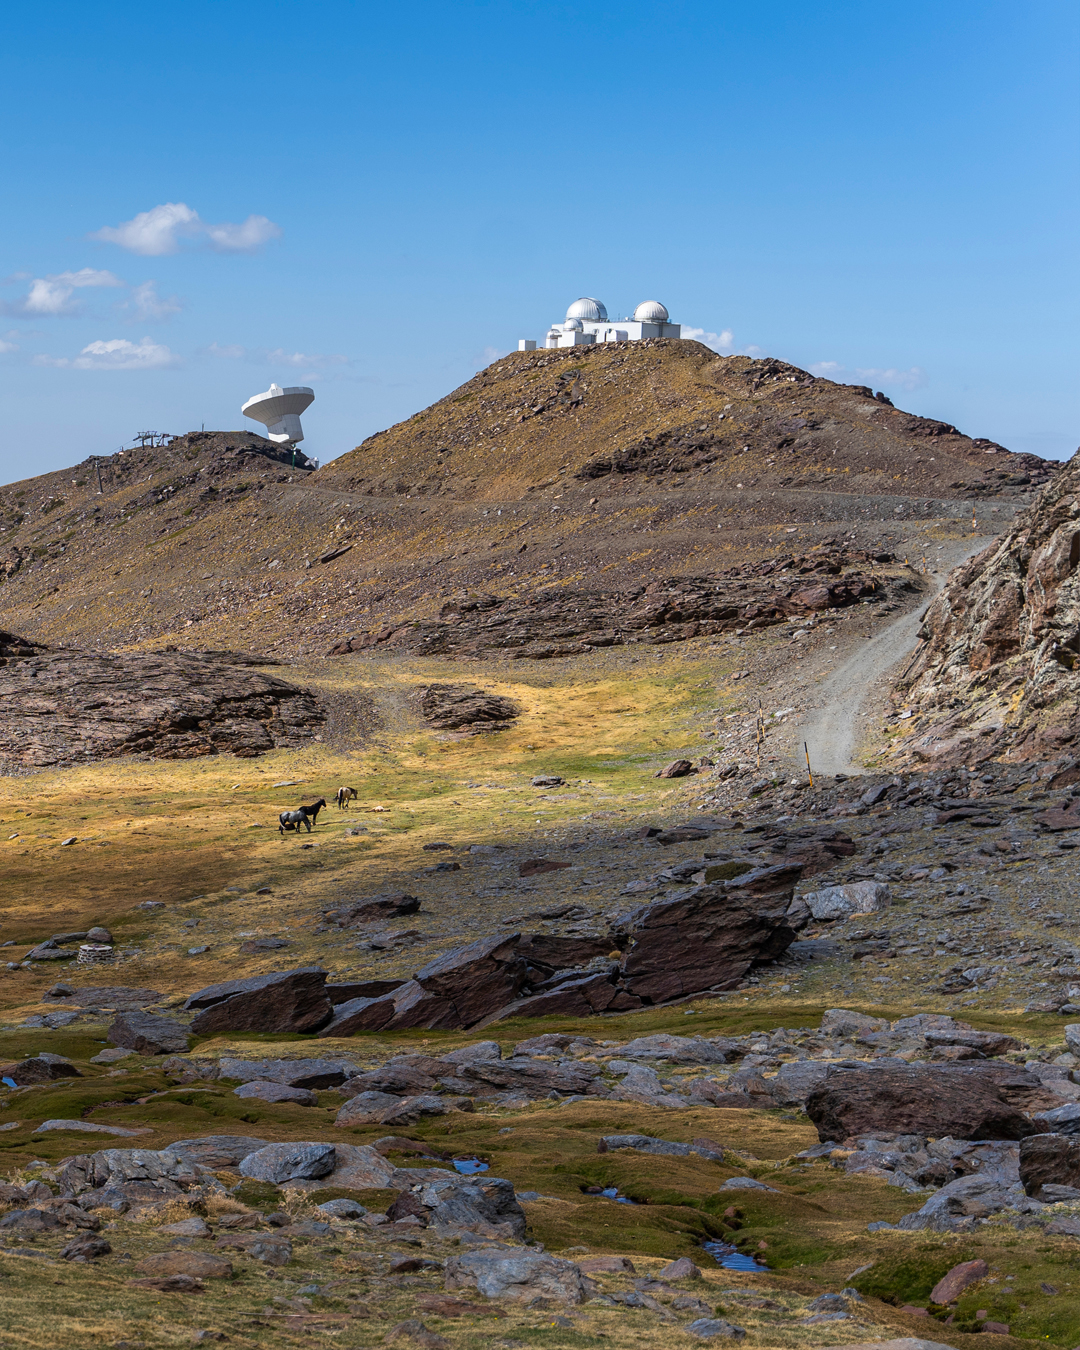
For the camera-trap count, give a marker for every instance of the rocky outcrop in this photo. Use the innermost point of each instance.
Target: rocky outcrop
(671, 609)
(966, 1101)
(61, 706)
(998, 669)
(705, 938)
(458, 707)
(293, 1000)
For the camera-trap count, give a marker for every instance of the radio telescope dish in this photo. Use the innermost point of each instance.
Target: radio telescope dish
(279, 409)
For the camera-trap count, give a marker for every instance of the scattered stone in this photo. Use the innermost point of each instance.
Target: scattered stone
(199, 1265)
(89, 1127)
(111, 1056)
(84, 1248)
(519, 1275)
(534, 867)
(372, 911)
(168, 1284)
(682, 1269)
(276, 1092)
(951, 1285)
(270, 1249)
(148, 1035)
(342, 1209)
(607, 1265)
(745, 1184)
(298, 1073)
(193, 1227)
(412, 1329)
(41, 1069)
(644, 1143)
(678, 768)
(708, 1328)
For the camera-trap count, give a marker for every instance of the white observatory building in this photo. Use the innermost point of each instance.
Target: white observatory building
(279, 409)
(587, 322)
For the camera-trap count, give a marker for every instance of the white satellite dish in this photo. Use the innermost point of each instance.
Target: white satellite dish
(279, 409)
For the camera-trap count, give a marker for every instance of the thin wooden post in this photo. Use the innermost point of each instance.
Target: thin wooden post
(808, 768)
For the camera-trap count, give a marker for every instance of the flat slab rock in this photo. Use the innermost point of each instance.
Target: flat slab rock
(65, 706)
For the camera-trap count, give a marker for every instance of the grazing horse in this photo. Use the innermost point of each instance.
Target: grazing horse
(292, 820)
(344, 796)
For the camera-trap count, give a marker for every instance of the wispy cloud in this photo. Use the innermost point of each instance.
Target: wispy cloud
(146, 305)
(164, 228)
(6, 347)
(115, 354)
(312, 364)
(51, 296)
(914, 378)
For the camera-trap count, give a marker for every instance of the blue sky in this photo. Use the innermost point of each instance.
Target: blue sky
(376, 200)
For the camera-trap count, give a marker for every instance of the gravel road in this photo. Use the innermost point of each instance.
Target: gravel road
(831, 730)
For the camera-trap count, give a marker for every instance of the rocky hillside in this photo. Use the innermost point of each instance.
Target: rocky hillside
(996, 673)
(584, 469)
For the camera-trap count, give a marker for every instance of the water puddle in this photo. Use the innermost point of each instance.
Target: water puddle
(470, 1166)
(9, 1082)
(731, 1258)
(611, 1193)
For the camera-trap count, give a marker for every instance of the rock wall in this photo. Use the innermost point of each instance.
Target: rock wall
(998, 671)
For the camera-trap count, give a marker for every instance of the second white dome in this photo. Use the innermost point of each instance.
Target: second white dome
(651, 311)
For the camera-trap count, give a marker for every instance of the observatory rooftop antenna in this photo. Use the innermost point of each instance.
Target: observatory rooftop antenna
(279, 409)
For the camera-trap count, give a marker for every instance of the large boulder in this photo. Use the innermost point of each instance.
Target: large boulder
(841, 902)
(147, 1034)
(967, 1101)
(40, 1069)
(290, 1001)
(518, 1274)
(280, 1163)
(1049, 1160)
(709, 937)
(167, 1172)
(534, 1078)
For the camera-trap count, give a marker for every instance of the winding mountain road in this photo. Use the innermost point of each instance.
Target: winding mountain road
(831, 729)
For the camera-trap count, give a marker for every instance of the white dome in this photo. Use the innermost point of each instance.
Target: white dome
(572, 325)
(589, 309)
(651, 311)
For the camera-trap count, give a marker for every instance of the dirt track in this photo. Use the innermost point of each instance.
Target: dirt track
(831, 730)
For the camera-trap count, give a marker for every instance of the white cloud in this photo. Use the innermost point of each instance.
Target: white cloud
(161, 230)
(892, 378)
(146, 304)
(115, 354)
(720, 342)
(6, 347)
(54, 295)
(230, 352)
(243, 238)
(310, 363)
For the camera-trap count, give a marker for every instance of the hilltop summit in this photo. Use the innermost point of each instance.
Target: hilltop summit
(594, 467)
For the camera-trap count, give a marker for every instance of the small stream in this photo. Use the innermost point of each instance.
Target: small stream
(731, 1258)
